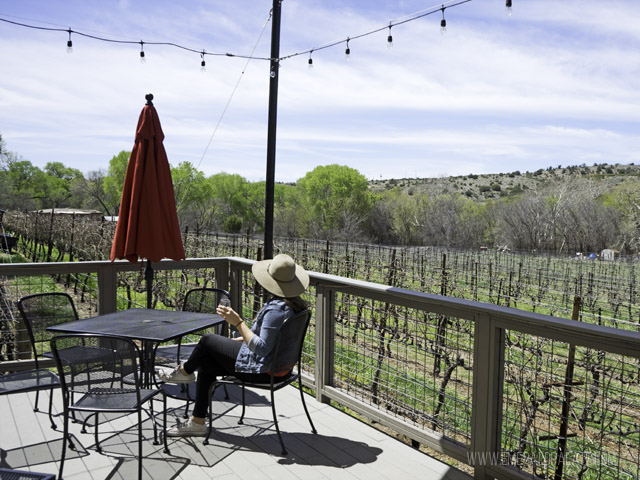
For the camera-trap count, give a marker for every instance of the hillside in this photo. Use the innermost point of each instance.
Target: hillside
(495, 185)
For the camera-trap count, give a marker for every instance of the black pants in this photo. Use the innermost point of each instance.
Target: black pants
(215, 356)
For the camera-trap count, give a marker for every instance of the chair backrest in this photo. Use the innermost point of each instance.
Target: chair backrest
(98, 363)
(43, 310)
(290, 342)
(203, 300)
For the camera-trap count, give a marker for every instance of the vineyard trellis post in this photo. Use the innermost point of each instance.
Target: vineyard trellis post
(566, 399)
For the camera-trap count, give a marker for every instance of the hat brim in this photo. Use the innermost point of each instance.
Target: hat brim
(292, 288)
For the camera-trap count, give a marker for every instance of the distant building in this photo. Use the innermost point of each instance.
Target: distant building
(609, 254)
(78, 212)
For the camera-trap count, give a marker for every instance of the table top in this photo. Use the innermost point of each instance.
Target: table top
(142, 324)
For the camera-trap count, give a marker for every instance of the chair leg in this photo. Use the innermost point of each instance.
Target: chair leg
(65, 435)
(185, 390)
(244, 403)
(275, 421)
(53, 424)
(304, 404)
(212, 390)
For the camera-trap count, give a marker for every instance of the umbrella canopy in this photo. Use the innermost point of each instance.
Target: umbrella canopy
(147, 221)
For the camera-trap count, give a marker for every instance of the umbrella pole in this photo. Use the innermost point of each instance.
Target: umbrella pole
(148, 277)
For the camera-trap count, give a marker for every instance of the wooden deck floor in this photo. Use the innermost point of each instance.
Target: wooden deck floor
(343, 448)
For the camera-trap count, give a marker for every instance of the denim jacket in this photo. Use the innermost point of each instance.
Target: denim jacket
(255, 356)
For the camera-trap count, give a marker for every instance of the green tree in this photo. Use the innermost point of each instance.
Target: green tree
(193, 196)
(114, 181)
(228, 198)
(336, 200)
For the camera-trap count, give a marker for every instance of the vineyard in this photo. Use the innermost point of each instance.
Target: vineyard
(418, 365)
(534, 282)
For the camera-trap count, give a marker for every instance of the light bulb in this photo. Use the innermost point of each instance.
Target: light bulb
(347, 51)
(507, 9)
(69, 43)
(443, 26)
(203, 66)
(142, 57)
(310, 63)
(389, 39)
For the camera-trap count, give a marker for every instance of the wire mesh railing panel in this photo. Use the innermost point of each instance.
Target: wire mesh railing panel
(168, 287)
(411, 364)
(570, 412)
(14, 339)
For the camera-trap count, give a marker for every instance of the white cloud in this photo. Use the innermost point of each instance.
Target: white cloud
(553, 84)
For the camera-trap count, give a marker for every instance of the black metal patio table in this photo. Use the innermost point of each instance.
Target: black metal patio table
(149, 326)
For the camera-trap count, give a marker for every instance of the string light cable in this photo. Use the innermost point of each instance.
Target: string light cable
(129, 42)
(406, 19)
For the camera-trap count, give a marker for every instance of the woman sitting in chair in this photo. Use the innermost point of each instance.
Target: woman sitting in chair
(248, 356)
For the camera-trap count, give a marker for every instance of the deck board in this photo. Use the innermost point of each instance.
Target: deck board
(343, 449)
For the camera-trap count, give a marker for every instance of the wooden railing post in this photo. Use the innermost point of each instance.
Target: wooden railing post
(488, 378)
(325, 326)
(234, 286)
(222, 275)
(107, 288)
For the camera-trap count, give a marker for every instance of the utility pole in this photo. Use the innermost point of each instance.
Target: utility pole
(271, 132)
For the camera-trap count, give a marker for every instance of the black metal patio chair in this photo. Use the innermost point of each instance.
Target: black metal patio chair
(11, 474)
(42, 310)
(281, 371)
(101, 385)
(39, 311)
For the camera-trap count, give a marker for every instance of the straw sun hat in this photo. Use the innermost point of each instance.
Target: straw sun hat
(281, 276)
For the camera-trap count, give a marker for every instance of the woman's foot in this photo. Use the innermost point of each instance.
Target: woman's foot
(190, 429)
(178, 376)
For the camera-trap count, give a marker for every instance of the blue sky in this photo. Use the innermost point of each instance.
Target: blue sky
(555, 83)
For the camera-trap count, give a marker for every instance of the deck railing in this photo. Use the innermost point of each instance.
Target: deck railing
(514, 394)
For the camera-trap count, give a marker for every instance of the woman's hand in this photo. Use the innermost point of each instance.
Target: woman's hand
(230, 315)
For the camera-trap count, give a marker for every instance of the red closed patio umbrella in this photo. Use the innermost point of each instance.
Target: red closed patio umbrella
(147, 220)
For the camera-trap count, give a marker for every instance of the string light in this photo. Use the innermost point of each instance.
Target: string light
(310, 60)
(347, 51)
(508, 7)
(407, 19)
(203, 65)
(69, 43)
(142, 57)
